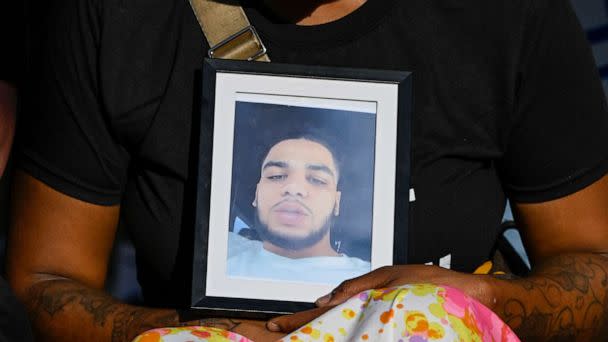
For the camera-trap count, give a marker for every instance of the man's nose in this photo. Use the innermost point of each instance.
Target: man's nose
(295, 188)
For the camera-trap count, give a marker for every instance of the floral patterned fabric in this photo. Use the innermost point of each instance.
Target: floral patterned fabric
(190, 334)
(415, 313)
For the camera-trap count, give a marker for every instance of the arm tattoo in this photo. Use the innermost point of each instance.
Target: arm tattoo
(139, 320)
(49, 299)
(566, 300)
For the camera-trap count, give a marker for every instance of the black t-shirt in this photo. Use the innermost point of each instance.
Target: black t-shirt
(507, 102)
(12, 43)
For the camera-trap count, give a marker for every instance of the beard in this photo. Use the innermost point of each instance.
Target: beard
(294, 243)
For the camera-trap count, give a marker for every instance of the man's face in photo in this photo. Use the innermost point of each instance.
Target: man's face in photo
(297, 194)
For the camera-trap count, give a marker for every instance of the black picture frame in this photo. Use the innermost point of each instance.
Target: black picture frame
(397, 83)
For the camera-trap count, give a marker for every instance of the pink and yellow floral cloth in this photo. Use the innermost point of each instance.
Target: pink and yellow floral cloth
(414, 313)
(190, 334)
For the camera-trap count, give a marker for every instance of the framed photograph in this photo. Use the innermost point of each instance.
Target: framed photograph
(303, 182)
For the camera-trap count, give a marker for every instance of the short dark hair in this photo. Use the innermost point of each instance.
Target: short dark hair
(310, 137)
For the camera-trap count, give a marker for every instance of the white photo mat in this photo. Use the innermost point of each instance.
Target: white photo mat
(379, 98)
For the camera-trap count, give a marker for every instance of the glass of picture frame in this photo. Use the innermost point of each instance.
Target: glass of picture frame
(302, 183)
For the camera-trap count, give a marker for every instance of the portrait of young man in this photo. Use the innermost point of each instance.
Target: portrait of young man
(302, 192)
(296, 200)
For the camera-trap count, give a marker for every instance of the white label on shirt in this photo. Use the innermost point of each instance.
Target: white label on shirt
(412, 195)
(446, 261)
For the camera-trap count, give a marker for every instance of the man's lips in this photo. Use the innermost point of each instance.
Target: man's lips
(291, 207)
(290, 213)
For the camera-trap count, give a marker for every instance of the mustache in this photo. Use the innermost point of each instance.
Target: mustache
(293, 200)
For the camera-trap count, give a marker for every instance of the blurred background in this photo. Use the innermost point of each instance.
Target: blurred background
(593, 15)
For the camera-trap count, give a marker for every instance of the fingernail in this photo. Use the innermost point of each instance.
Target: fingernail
(272, 326)
(323, 300)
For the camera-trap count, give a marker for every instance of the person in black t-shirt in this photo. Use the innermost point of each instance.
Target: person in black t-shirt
(507, 103)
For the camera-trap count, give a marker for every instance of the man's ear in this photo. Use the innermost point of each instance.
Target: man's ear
(255, 198)
(337, 204)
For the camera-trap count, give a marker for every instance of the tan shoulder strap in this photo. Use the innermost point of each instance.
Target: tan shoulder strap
(228, 31)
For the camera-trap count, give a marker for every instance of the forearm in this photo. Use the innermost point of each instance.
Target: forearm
(566, 299)
(64, 310)
(61, 309)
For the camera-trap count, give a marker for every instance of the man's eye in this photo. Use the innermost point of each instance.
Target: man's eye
(317, 181)
(276, 177)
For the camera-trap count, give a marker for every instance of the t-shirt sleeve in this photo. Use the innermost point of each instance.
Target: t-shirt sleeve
(12, 27)
(64, 137)
(558, 140)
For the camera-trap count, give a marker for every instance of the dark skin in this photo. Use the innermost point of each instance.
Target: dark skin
(311, 12)
(8, 106)
(565, 297)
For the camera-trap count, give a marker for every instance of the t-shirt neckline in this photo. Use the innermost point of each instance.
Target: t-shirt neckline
(345, 29)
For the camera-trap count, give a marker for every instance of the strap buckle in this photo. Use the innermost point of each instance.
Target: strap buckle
(245, 44)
